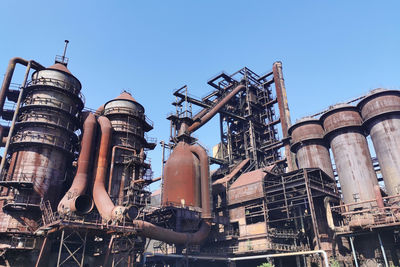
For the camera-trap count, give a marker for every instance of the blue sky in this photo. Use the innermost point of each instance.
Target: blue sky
(332, 51)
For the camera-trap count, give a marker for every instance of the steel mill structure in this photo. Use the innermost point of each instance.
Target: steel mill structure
(324, 191)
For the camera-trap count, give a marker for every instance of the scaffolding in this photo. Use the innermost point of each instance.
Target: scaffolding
(248, 121)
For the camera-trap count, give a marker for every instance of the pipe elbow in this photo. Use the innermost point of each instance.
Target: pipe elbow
(82, 204)
(152, 231)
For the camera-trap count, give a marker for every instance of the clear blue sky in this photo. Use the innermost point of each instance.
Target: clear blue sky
(331, 51)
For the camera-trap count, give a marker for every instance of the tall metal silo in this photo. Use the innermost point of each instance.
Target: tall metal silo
(380, 111)
(309, 145)
(343, 130)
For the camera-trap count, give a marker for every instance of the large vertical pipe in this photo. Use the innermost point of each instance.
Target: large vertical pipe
(14, 119)
(284, 113)
(309, 145)
(380, 111)
(342, 125)
(101, 198)
(74, 199)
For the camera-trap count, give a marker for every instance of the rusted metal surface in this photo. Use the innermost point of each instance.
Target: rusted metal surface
(283, 111)
(129, 167)
(309, 146)
(248, 186)
(75, 199)
(155, 232)
(44, 139)
(150, 230)
(343, 131)
(204, 180)
(181, 178)
(211, 113)
(128, 121)
(380, 111)
(100, 196)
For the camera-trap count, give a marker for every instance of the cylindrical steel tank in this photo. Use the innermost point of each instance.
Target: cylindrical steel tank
(128, 160)
(380, 111)
(181, 178)
(309, 145)
(44, 139)
(343, 130)
(128, 121)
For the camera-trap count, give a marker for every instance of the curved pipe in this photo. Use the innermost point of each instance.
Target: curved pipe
(204, 180)
(108, 211)
(152, 231)
(208, 116)
(8, 76)
(74, 200)
(101, 198)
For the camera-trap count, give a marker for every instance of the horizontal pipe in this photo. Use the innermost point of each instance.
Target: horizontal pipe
(74, 195)
(277, 255)
(155, 179)
(152, 231)
(210, 114)
(227, 259)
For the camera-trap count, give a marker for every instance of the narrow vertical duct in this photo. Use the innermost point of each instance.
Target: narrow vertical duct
(343, 130)
(380, 111)
(284, 114)
(309, 145)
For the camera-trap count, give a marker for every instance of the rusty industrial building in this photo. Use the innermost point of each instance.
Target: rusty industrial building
(75, 181)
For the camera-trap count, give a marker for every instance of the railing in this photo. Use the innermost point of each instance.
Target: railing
(42, 138)
(19, 242)
(44, 101)
(50, 118)
(129, 111)
(60, 84)
(367, 214)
